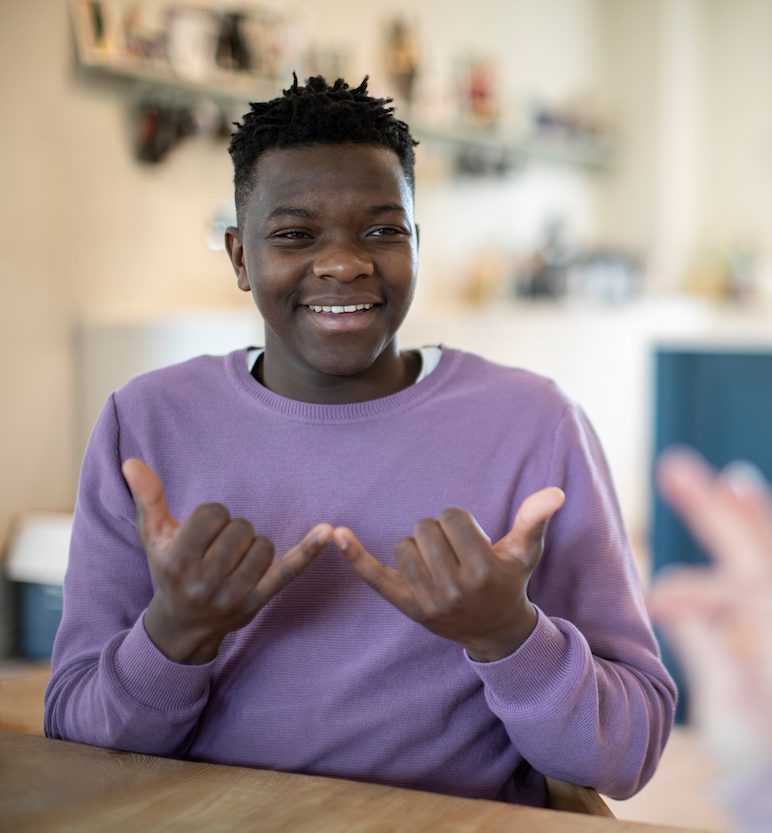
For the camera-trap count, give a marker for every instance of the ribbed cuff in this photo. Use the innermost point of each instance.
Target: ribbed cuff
(534, 678)
(146, 676)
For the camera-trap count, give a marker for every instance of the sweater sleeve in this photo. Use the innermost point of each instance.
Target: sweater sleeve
(586, 698)
(110, 685)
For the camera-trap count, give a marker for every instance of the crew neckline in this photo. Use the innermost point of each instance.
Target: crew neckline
(348, 412)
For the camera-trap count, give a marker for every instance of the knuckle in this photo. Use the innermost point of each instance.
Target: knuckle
(241, 528)
(453, 515)
(197, 592)
(172, 569)
(479, 576)
(222, 603)
(288, 571)
(263, 547)
(211, 515)
(425, 525)
(453, 598)
(404, 547)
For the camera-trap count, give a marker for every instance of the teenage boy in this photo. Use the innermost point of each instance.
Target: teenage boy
(493, 650)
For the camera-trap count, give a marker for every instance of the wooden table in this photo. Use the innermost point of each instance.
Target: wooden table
(48, 785)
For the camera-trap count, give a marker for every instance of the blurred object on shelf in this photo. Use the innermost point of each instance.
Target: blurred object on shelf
(486, 277)
(558, 269)
(144, 31)
(98, 32)
(193, 41)
(160, 127)
(730, 274)
(486, 160)
(275, 43)
(232, 51)
(575, 119)
(743, 273)
(544, 273)
(191, 36)
(607, 276)
(328, 61)
(403, 60)
(478, 94)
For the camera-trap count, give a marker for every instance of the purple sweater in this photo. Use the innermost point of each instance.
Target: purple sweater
(329, 678)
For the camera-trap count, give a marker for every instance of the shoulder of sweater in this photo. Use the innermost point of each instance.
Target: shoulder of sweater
(193, 374)
(500, 380)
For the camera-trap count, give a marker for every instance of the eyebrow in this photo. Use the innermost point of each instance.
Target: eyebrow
(285, 210)
(294, 211)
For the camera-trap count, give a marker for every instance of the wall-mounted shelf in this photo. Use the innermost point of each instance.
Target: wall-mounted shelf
(474, 149)
(223, 87)
(583, 151)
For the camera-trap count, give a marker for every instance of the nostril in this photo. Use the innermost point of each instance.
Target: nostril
(343, 267)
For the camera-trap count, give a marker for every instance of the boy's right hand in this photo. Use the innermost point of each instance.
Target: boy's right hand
(212, 573)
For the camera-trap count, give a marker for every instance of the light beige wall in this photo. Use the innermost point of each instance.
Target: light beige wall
(87, 231)
(738, 122)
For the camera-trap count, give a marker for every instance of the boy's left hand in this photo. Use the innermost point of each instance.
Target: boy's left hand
(455, 583)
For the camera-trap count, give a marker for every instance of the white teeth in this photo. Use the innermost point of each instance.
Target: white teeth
(338, 309)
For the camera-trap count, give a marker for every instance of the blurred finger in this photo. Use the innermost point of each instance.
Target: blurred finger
(733, 527)
(155, 525)
(688, 592)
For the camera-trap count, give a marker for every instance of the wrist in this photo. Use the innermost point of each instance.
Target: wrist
(505, 642)
(184, 644)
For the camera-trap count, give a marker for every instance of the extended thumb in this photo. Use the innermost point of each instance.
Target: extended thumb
(155, 524)
(527, 533)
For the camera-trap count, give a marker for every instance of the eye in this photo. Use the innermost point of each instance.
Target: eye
(386, 231)
(291, 234)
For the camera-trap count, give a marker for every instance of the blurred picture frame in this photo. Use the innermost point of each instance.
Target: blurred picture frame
(97, 33)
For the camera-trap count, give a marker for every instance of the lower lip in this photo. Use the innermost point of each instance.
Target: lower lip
(342, 322)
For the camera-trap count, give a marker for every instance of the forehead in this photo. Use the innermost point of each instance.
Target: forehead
(317, 174)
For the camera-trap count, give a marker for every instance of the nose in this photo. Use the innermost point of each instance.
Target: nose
(342, 261)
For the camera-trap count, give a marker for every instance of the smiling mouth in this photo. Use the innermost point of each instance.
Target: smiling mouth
(338, 310)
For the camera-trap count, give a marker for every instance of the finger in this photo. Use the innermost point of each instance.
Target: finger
(680, 592)
(421, 584)
(751, 499)
(155, 525)
(386, 582)
(244, 582)
(470, 543)
(196, 534)
(294, 561)
(227, 550)
(723, 514)
(526, 539)
(430, 546)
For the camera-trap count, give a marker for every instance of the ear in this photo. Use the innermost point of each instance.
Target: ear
(417, 236)
(235, 250)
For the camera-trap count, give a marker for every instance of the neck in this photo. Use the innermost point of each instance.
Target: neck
(389, 374)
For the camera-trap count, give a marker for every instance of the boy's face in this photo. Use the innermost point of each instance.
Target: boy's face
(328, 249)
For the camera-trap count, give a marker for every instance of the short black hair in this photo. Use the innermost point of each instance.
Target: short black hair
(316, 113)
